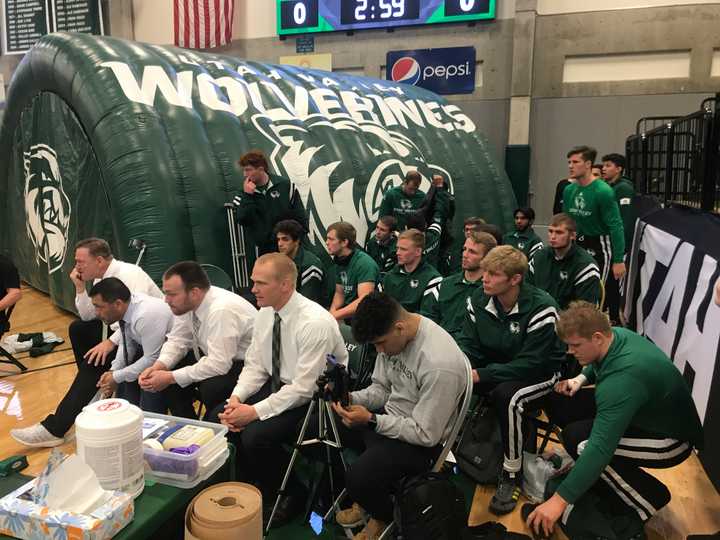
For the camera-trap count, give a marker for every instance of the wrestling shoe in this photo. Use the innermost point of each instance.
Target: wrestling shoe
(351, 517)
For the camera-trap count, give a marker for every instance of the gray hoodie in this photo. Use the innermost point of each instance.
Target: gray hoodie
(420, 388)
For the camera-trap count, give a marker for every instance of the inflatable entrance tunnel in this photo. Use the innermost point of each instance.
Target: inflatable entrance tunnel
(127, 141)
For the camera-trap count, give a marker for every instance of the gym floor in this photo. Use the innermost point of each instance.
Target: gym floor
(29, 397)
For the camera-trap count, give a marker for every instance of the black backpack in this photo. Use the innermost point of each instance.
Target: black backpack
(429, 507)
(479, 453)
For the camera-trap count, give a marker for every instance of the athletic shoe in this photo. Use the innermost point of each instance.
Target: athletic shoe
(36, 436)
(351, 517)
(371, 531)
(507, 493)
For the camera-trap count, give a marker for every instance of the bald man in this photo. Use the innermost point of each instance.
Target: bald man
(291, 338)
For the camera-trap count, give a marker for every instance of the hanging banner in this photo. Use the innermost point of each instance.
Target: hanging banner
(24, 22)
(84, 16)
(675, 264)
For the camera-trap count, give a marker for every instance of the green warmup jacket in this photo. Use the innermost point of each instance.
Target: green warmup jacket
(450, 309)
(385, 255)
(415, 290)
(259, 212)
(517, 346)
(624, 194)
(431, 253)
(638, 387)
(313, 281)
(574, 277)
(596, 213)
(526, 241)
(360, 268)
(396, 203)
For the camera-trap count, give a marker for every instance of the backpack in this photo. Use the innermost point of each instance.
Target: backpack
(429, 507)
(479, 452)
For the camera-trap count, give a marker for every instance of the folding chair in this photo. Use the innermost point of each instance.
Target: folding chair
(218, 276)
(5, 356)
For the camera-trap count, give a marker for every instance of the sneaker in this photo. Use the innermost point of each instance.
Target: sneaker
(507, 493)
(36, 436)
(371, 531)
(351, 517)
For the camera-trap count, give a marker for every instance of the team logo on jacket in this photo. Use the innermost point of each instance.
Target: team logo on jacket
(521, 245)
(414, 283)
(514, 328)
(563, 276)
(406, 70)
(275, 194)
(47, 207)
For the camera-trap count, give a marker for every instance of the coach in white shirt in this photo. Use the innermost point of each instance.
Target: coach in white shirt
(93, 261)
(290, 341)
(207, 343)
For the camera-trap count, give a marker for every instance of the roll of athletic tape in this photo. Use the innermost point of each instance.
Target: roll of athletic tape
(227, 510)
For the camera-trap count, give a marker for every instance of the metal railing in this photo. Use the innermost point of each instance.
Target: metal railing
(677, 160)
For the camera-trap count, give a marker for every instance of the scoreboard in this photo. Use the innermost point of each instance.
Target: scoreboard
(311, 16)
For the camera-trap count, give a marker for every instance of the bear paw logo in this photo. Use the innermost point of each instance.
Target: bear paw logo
(47, 207)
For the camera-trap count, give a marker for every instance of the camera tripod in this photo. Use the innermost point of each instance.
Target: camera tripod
(321, 402)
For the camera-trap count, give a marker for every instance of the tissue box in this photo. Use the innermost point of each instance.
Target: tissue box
(22, 518)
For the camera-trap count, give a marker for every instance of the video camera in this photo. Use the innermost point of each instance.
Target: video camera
(335, 381)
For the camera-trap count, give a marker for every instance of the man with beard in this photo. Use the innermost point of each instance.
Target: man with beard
(206, 346)
(451, 307)
(93, 354)
(524, 237)
(382, 246)
(591, 203)
(413, 282)
(313, 281)
(356, 273)
(563, 269)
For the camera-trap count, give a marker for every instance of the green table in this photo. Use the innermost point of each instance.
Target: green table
(156, 505)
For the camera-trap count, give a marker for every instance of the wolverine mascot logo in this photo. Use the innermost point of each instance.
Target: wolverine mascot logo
(46, 205)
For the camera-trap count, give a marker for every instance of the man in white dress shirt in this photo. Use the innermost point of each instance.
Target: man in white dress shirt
(206, 346)
(93, 261)
(290, 341)
(144, 322)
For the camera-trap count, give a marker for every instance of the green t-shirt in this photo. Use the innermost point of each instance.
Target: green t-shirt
(526, 241)
(361, 268)
(414, 290)
(636, 386)
(396, 203)
(595, 210)
(520, 345)
(574, 277)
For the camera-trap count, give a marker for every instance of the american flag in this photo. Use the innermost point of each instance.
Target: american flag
(201, 24)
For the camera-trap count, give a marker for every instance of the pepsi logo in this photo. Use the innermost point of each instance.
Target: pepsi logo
(406, 70)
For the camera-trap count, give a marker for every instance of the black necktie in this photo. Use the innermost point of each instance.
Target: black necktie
(122, 324)
(276, 383)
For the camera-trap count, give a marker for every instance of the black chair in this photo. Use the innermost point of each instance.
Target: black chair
(5, 356)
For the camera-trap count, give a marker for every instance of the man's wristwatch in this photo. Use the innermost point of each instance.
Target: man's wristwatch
(372, 423)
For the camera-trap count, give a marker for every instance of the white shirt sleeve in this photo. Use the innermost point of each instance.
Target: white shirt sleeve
(313, 345)
(179, 342)
(253, 374)
(225, 332)
(151, 328)
(84, 307)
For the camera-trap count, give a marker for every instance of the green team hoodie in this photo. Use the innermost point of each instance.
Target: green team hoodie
(431, 253)
(517, 346)
(312, 280)
(414, 290)
(385, 255)
(636, 386)
(260, 212)
(396, 203)
(574, 277)
(526, 241)
(359, 268)
(596, 213)
(450, 309)
(624, 193)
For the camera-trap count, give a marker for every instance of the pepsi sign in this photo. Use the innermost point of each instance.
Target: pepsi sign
(450, 70)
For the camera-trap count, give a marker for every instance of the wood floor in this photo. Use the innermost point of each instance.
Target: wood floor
(28, 398)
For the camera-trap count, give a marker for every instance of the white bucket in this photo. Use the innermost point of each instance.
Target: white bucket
(109, 440)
